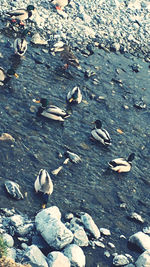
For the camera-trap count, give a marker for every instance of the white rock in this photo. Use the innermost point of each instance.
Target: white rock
(143, 260)
(75, 255)
(107, 254)
(137, 217)
(34, 254)
(80, 237)
(57, 259)
(90, 225)
(23, 230)
(17, 220)
(37, 39)
(120, 260)
(8, 240)
(111, 245)
(105, 231)
(11, 253)
(54, 232)
(141, 240)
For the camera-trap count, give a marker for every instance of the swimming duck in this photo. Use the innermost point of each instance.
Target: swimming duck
(69, 58)
(121, 164)
(21, 14)
(100, 134)
(13, 189)
(72, 156)
(20, 44)
(50, 111)
(44, 185)
(60, 4)
(74, 95)
(5, 76)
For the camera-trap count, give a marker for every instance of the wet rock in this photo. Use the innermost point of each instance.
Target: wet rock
(13, 189)
(51, 228)
(57, 259)
(141, 240)
(8, 240)
(75, 255)
(143, 260)
(105, 231)
(34, 255)
(90, 225)
(136, 217)
(120, 260)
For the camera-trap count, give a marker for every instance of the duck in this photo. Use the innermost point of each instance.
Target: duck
(69, 58)
(5, 76)
(121, 164)
(20, 44)
(50, 111)
(100, 134)
(60, 4)
(21, 14)
(44, 185)
(74, 96)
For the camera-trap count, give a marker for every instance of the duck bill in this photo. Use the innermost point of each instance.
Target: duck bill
(70, 100)
(36, 101)
(16, 75)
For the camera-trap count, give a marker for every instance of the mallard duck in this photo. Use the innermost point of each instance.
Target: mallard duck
(74, 95)
(21, 14)
(44, 185)
(50, 111)
(20, 44)
(72, 156)
(121, 164)
(13, 189)
(68, 57)
(60, 4)
(100, 134)
(5, 76)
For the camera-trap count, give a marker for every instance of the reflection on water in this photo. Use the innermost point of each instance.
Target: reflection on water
(88, 186)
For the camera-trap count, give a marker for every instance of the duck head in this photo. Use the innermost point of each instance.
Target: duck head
(131, 157)
(98, 124)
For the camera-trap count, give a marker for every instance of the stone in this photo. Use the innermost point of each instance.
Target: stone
(90, 225)
(57, 259)
(11, 253)
(54, 232)
(143, 260)
(13, 189)
(105, 231)
(80, 238)
(34, 255)
(141, 240)
(37, 39)
(137, 217)
(120, 260)
(75, 255)
(17, 220)
(23, 230)
(8, 240)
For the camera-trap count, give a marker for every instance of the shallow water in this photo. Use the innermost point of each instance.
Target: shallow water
(88, 186)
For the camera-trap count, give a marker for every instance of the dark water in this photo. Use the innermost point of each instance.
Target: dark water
(88, 186)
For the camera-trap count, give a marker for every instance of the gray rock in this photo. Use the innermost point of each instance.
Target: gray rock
(11, 253)
(23, 230)
(17, 220)
(105, 231)
(57, 259)
(8, 240)
(80, 238)
(34, 255)
(120, 260)
(90, 225)
(13, 189)
(143, 260)
(141, 240)
(137, 217)
(51, 228)
(75, 255)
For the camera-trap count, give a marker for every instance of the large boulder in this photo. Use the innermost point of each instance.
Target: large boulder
(143, 260)
(34, 256)
(57, 259)
(54, 232)
(75, 255)
(141, 240)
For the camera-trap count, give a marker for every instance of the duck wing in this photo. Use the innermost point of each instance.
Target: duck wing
(55, 110)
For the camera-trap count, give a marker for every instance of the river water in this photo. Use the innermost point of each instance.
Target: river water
(88, 186)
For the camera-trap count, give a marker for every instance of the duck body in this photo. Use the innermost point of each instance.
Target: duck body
(60, 4)
(44, 185)
(5, 76)
(121, 164)
(75, 95)
(20, 46)
(72, 156)
(100, 134)
(68, 57)
(50, 111)
(21, 14)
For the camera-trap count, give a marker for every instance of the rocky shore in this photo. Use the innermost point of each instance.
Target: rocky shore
(52, 240)
(116, 25)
